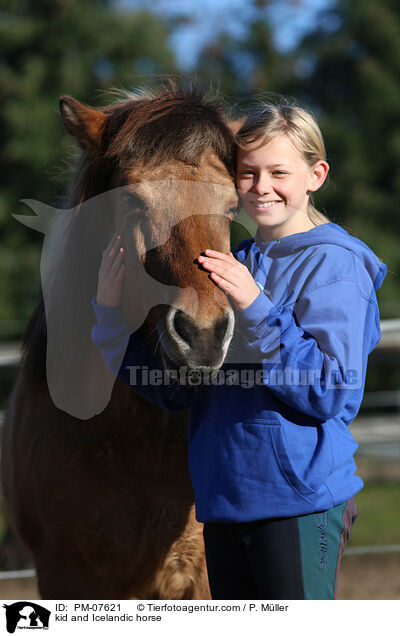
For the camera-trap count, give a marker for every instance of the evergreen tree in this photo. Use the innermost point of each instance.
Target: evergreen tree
(50, 48)
(353, 83)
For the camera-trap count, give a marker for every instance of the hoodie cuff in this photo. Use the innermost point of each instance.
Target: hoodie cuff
(250, 317)
(107, 315)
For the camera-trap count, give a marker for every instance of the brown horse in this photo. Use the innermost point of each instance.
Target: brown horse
(98, 487)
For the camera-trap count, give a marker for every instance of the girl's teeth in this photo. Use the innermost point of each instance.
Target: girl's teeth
(266, 205)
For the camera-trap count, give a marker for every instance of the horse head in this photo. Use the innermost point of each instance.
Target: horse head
(159, 170)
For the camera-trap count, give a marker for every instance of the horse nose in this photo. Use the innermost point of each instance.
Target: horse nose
(205, 347)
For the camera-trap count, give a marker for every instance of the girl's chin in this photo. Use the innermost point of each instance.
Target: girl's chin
(269, 221)
(265, 214)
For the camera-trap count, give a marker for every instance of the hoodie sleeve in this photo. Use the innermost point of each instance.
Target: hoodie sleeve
(314, 355)
(125, 352)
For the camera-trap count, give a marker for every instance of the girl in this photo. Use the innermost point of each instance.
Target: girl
(272, 469)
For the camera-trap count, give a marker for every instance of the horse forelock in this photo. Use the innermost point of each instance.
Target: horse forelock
(176, 124)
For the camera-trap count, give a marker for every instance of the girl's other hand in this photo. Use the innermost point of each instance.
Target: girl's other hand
(231, 276)
(111, 274)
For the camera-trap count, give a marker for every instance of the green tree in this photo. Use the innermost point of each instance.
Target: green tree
(50, 48)
(241, 67)
(349, 72)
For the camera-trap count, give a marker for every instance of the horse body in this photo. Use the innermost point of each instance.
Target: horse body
(103, 498)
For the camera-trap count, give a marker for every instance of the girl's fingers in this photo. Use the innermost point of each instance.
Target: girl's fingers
(220, 255)
(222, 283)
(114, 246)
(113, 239)
(217, 262)
(209, 261)
(119, 277)
(229, 273)
(111, 244)
(117, 262)
(110, 253)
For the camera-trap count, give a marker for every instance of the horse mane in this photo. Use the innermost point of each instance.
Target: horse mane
(177, 123)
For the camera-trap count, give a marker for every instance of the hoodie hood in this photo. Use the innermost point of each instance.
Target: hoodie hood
(327, 233)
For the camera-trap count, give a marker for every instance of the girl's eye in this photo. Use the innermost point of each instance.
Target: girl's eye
(279, 172)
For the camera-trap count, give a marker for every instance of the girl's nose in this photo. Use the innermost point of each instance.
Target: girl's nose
(262, 185)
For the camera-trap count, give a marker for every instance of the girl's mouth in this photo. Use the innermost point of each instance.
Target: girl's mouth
(265, 205)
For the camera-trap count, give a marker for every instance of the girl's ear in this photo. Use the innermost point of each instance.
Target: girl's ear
(318, 175)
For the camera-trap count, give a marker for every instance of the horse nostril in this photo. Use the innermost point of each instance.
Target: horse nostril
(220, 329)
(200, 340)
(184, 326)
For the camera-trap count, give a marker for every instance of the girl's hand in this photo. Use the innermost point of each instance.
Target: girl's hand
(111, 274)
(231, 276)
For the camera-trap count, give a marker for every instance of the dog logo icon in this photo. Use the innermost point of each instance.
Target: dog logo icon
(26, 615)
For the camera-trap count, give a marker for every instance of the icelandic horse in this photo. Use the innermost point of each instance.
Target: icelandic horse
(94, 476)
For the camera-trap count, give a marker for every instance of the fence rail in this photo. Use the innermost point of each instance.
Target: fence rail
(373, 549)
(8, 575)
(370, 550)
(10, 353)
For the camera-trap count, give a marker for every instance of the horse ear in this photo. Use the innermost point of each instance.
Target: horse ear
(83, 122)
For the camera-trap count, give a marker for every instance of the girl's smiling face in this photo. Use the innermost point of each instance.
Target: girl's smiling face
(273, 181)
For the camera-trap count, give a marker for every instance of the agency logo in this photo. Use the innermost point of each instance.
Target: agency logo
(26, 615)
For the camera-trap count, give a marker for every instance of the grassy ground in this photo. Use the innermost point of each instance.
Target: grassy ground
(378, 521)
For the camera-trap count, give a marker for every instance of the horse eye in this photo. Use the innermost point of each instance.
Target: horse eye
(132, 202)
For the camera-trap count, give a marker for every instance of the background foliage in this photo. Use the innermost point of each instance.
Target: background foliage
(346, 69)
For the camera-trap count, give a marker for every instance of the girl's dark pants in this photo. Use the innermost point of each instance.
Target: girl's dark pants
(285, 558)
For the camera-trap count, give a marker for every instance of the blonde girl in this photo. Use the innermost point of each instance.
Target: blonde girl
(272, 467)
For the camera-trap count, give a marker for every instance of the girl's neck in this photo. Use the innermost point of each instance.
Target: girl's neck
(286, 229)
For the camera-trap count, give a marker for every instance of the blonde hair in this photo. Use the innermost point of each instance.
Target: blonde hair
(283, 116)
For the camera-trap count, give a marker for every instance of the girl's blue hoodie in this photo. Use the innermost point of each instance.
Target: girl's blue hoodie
(270, 438)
